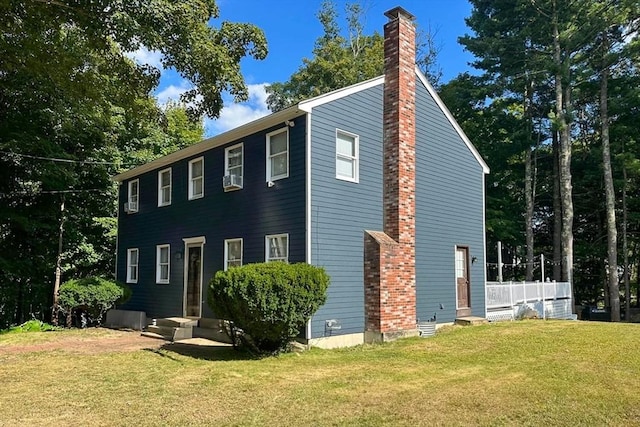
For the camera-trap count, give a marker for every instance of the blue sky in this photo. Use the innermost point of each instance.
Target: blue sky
(291, 28)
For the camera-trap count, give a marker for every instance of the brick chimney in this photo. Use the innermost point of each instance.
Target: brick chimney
(390, 278)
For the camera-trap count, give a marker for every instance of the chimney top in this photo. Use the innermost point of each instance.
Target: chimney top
(398, 12)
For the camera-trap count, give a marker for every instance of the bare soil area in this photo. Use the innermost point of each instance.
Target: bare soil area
(92, 343)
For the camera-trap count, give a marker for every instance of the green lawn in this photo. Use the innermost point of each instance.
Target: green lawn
(542, 373)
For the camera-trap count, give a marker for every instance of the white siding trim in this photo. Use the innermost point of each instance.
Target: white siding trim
(308, 190)
(452, 120)
(308, 205)
(309, 104)
(199, 239)
(484, 245)
(455, 279)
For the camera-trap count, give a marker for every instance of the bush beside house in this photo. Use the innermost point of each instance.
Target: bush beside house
(269, 302)
(91, 297)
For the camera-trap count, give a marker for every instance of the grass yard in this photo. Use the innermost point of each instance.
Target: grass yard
(551, 373)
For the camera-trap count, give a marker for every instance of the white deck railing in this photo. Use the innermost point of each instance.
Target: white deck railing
(506, 300)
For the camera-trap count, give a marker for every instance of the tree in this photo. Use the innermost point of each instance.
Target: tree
(579, 58)
(74, 110)
(340, 61)
(337, 62)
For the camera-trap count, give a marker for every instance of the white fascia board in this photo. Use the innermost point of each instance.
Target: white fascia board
(309, 104)
(452, 120)
(215, 141)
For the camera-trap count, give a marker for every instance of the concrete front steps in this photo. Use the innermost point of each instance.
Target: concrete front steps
(181, 328)
(470, 320)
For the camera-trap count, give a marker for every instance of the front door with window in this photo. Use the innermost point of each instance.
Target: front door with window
(463, 306)
(193, 282)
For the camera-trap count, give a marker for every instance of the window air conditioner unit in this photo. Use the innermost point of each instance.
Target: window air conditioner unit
(232, 182)
(131, 207)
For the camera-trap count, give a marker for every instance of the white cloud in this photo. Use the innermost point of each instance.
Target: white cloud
(145, 56)
(172, 92)
(237, 114)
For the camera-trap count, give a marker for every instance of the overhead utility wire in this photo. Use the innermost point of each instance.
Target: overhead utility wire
(53, 159)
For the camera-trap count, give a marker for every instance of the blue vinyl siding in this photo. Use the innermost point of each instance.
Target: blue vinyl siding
(342, 210)
(249, 213)
(449, 212)
(449, 208)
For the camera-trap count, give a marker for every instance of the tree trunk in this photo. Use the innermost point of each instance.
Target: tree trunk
(557, 213)
(528, 196)
(563, 102)
(56, 284)
(528, 185)
(609, 191)
(625, 246)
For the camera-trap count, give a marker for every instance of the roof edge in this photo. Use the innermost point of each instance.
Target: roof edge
(308, 104)
(212, 142)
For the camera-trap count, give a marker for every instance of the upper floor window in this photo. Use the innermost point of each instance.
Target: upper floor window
(233, 167)
(132, 265)
(164, 187)
(277, 247)
(347, 156)
(232, 253)
(278, 154)
(162, 264)
(196, 178)
(132, 196)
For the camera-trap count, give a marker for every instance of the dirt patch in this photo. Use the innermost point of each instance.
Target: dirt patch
(112, 341)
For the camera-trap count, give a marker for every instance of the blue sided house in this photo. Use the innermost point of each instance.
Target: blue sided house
(375, 182)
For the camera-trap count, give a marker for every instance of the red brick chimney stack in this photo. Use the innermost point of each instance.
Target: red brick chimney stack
(390, 275)
(399, 126)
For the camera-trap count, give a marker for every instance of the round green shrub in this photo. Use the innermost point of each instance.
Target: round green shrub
(94, 295)
(269, 302)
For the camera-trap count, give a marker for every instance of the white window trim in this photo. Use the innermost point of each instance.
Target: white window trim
(159, 248)
(226, 158)
(268, 137)
(226, 251)
(191, 241)
(129, 265)
(193, 196)
(356, 159)
(266, 247)
(160, 173)
(130, 200)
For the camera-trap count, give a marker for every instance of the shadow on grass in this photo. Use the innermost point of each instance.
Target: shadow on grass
(211, 352)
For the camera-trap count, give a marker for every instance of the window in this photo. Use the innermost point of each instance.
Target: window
(132, 265)
(278, 154)
(196, 178)
(233, 160)
(346, 156)
(277, 247)
(164, 187)
(132, 196)
(162, 264)
(233, 164)
(232, 253)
